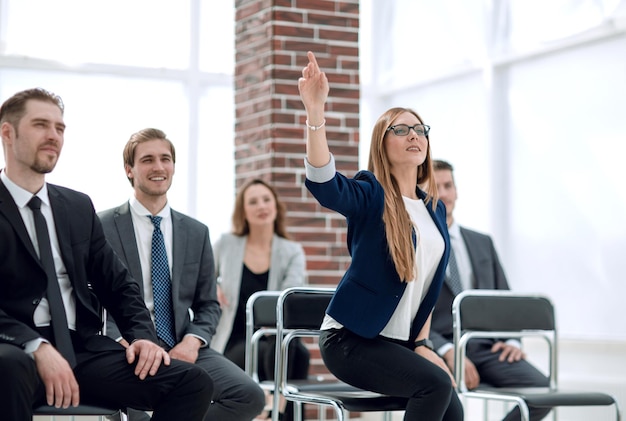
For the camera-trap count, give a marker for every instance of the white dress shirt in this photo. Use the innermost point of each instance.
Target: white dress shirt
(143, 234)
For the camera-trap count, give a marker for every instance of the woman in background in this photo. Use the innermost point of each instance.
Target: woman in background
(256, 256)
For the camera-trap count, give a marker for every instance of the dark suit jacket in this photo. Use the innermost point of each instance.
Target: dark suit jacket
(194, 289)
(371, 289)
(488, 274)
(96, 274)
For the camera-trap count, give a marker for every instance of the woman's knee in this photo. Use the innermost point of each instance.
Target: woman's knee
(436, 383)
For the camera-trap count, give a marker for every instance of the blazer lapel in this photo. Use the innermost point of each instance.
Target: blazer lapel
(126, 231)
(61, 212)
(179, 234)
(12, 214)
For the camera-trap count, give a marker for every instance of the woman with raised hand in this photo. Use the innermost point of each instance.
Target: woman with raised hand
(375, 333)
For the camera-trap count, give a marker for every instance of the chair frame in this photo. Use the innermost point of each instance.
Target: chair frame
(509, 314)
(342, 397)
(81, 410)
(260, 322)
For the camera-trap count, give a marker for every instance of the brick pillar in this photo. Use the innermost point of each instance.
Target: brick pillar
(272, 38)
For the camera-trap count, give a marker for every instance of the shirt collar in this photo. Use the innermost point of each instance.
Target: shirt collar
(454, 230)
(21, 197)
(141, 209)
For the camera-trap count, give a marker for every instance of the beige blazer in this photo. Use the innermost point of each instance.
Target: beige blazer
(287, 269)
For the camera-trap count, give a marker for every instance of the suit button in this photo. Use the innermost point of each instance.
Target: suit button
(36, 301)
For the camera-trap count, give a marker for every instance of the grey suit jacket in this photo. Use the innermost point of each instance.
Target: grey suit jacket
(287, 269)
(194, 293)
(488, 274)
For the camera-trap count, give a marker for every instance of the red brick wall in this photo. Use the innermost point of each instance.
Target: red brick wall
(272, 38)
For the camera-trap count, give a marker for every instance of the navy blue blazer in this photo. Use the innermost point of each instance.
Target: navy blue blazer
(370, 290)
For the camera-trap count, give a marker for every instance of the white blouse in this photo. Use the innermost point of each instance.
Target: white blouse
(428, 252)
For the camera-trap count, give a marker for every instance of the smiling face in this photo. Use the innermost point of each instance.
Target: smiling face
(406, 151)
(259, 206)
(35, 144)
(153, 169)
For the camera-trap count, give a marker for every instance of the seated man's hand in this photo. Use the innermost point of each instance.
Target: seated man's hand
(472, 378)
(148, 355)
(57, 376)
(509, 353)
(187, 349)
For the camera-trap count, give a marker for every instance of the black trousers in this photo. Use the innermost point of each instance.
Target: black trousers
(178, 391)
(236, 396)
(388, 367)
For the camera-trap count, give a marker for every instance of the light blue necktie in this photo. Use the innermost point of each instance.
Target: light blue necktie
(161, 286)
(454, 279)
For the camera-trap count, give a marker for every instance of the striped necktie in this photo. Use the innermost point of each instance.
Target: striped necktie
(454, 279)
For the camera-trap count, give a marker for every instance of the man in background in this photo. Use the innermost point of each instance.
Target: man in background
(170, 257)
(474, 264)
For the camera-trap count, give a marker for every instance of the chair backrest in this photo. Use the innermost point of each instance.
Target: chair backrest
(494, 310)
(260, 321)
(299, 311)
(303, 308)
(500, 314)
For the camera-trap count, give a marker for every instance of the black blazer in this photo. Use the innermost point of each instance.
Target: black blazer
(97, 275)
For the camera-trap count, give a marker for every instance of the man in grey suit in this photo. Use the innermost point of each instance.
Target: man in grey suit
(158, 244)
(498, 363)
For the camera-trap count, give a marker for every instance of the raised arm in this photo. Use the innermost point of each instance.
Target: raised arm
(313, 87)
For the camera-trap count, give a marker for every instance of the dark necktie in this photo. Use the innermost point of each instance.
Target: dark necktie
(62, 339)
(161, 286)
(454, 279)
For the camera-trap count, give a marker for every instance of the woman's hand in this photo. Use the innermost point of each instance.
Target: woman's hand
(221, 297)
(313, 87)
(434, 358)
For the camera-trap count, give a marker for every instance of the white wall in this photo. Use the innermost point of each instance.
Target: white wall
(526, 99)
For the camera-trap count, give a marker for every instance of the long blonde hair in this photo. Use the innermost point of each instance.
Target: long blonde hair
(395, 215)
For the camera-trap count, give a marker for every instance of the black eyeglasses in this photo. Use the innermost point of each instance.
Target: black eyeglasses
(404, 129)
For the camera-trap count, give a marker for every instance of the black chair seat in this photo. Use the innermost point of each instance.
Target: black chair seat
(358, 400)
(544, 397)
(79, 410)
(325, 385)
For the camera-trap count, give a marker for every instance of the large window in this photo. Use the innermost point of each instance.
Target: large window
(526, 100)
(121, 66)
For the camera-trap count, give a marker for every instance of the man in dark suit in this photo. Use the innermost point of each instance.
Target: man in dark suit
(56, 270)
(149, 163)
(475, 265)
